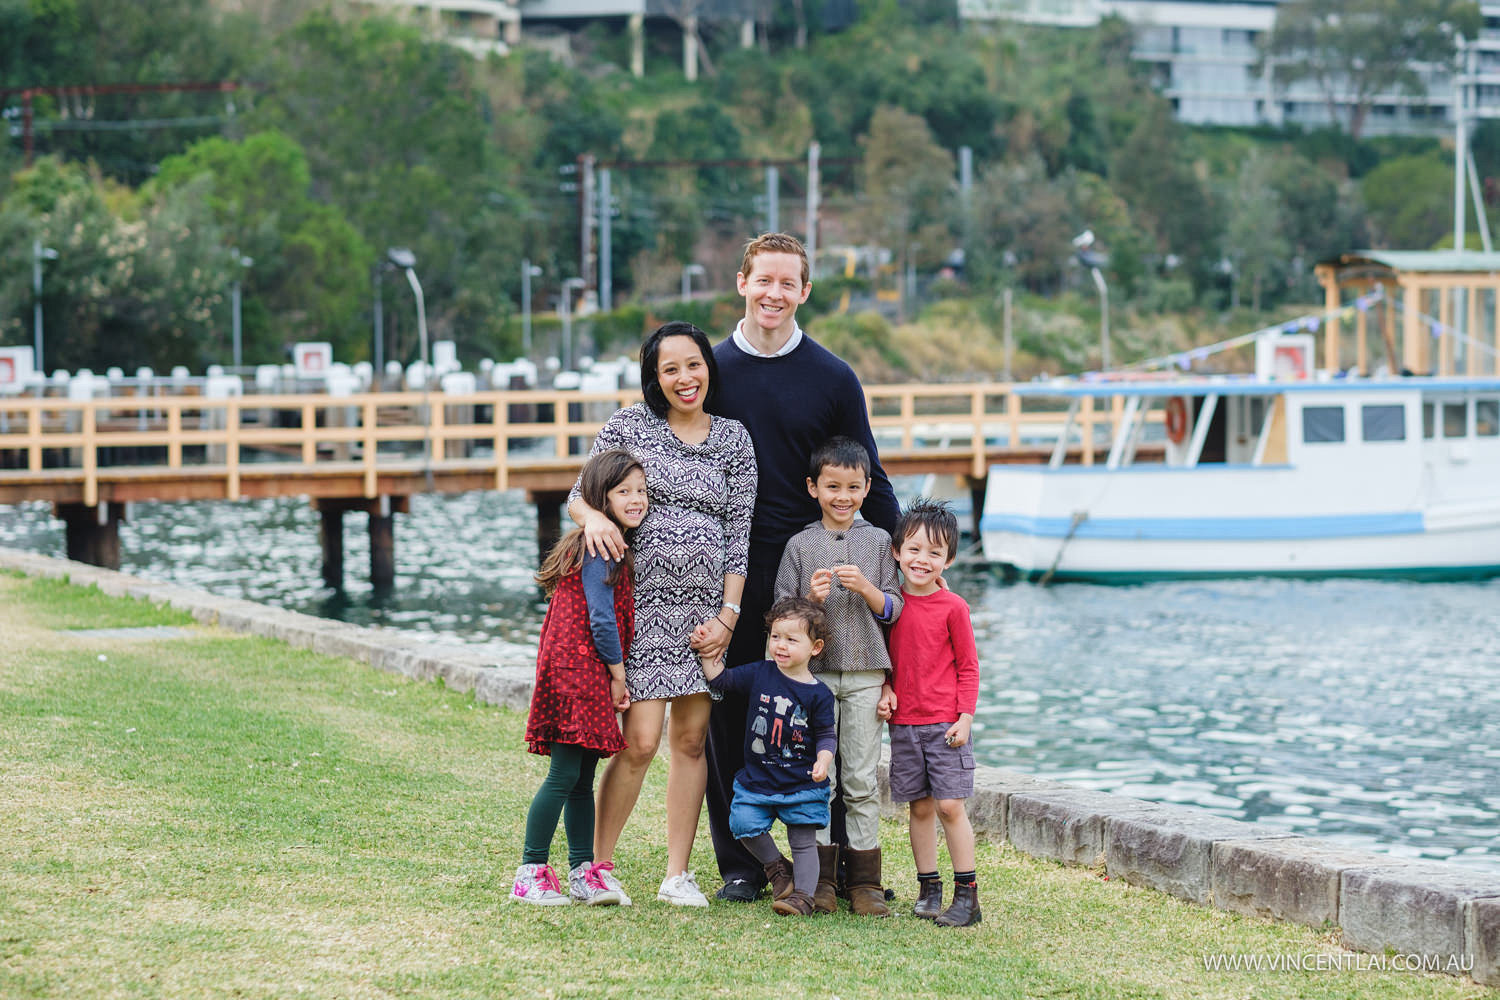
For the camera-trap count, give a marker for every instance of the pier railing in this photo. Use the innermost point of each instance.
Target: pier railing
(196, 447)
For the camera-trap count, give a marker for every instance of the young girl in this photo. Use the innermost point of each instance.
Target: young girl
(580, 685)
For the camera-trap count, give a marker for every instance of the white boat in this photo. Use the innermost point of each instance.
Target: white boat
(1262, 476)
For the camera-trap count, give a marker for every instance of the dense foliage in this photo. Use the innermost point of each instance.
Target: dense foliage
(356, 131)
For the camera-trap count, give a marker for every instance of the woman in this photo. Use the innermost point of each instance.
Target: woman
(690, 558)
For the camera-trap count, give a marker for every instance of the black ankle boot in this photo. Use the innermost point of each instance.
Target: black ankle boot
(964, 910)
(929, 899)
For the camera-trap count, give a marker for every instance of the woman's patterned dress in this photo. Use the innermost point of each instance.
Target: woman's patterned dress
(696, 530)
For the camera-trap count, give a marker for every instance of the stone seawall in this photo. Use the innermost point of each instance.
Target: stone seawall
(1434, 915)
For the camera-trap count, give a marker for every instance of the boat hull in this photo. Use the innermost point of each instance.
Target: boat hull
(1122, 526)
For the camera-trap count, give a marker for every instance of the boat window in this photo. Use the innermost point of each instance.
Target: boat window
(1429, 420)
(1487, 417)
(1455, 420)
(1383, 423)
(1322, 424)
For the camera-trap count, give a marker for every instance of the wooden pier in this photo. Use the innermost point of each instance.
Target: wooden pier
(370, 452)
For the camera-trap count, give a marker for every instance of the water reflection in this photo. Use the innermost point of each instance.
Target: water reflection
(1362, 711)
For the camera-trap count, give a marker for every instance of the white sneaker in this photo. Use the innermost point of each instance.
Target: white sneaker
(586, 884)
(537, 885)
(682, 890)
(607, 874)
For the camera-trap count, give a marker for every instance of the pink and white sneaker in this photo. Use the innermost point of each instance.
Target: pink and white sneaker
(537, 885)
(591, 883)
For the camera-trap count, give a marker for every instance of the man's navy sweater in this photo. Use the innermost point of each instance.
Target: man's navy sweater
(791, 405)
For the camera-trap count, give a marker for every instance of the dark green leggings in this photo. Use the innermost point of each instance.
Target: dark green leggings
(567, 791)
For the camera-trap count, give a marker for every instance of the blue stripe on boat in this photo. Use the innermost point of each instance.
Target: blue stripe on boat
(1206, 528)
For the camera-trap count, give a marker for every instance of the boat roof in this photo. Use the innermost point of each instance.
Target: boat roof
(1420, 261)
(1247, 385)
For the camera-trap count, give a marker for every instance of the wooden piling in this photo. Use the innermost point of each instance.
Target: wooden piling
(93, 532)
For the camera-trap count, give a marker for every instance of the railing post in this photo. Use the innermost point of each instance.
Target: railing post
(174, 433)
(1087, 424)
(232, 447)
(309, 436)
(437, 431)
(1013, 411)
(34, 437)
(369, 417)
(976, 410)
(90, 455)
(501, 419)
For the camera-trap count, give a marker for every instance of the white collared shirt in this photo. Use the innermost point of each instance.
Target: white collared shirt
(743, 342)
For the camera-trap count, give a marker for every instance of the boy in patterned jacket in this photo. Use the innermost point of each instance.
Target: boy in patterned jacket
(845, 564)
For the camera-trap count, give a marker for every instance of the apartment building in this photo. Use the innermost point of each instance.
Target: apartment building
(1203, 53)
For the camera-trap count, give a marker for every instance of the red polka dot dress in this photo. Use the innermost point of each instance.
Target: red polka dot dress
(571, 703)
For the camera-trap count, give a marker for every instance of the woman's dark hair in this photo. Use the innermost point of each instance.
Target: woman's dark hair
(601, 473)
(656, 400)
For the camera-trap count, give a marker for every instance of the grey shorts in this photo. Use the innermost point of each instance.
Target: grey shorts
(923, 766)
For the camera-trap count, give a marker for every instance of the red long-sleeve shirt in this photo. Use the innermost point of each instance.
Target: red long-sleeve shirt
(934, 660)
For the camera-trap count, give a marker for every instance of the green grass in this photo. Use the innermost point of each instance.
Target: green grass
(224, 816)
(57, 604)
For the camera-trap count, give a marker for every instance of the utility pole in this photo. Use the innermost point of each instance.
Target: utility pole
(813, 151)
(606, 250)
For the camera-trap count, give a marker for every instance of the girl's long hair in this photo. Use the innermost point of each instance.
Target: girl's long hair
(601, 473)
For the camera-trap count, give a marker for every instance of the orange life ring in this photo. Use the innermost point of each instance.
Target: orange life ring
(1177, 419)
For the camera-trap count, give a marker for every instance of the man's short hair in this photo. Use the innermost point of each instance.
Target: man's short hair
(934, 517)
(840, 452)
(774, 243)
(808, 612)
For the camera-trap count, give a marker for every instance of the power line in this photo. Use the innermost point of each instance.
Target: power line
(127, 124)
(91, 90)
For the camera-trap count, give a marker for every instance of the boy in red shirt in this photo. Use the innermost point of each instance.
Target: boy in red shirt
(930, 703)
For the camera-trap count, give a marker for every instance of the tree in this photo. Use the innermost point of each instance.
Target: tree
(310, 277)
(1257, 248)
(908, 182)
(1153, 173)
(1354, 50)
(1410, 201)
(135, 283)
(1022, 224)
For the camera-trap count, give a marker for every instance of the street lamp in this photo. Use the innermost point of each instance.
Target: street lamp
(39, 253)
(1226, 267)
(687, 279)
(240, 261)
(567, 318)
(528, 271)
(1093, 259)
(407, 261)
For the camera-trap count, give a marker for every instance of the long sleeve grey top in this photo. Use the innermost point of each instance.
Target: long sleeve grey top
(854, 640)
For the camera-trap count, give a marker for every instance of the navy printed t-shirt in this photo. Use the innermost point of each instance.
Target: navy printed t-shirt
(788, 723)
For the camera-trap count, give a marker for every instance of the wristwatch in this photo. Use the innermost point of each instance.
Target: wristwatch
(732, 606)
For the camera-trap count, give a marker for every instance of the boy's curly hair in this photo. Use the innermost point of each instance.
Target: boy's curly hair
(799, 609)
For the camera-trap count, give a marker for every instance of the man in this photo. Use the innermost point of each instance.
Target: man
(792, 394)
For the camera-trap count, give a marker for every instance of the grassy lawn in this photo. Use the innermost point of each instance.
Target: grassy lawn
(226, 816)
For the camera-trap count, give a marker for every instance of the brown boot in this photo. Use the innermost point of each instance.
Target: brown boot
(779, 874)
(825, 897)
(866, 894)
(796, 904)
(929, 899)
(964, 910)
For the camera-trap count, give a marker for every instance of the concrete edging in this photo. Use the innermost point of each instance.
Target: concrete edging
(1448, 916)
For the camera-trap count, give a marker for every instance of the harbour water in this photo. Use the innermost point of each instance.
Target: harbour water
(1365, 712)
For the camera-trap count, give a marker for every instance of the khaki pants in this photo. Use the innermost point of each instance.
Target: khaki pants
(855, 697)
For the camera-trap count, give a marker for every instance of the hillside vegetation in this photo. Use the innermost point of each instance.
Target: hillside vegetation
(355, 130)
